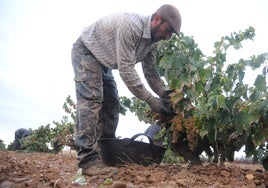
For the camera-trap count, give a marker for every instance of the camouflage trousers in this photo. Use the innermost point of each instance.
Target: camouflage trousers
(97, 103)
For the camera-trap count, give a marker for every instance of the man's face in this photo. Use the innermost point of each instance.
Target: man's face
(162, 31)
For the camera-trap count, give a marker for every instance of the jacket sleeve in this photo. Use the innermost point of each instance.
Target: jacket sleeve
(126, 60)
(152, 75)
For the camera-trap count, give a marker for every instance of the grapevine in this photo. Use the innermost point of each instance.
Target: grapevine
(212, 102)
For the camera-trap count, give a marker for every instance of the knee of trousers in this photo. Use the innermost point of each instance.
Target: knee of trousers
(89, 91)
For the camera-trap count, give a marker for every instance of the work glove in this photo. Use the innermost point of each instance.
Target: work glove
(166, 117)
(160, 105)
(167, 98)
(167, 93)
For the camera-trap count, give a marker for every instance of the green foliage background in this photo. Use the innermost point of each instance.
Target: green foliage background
(213, 92)
(52, 138)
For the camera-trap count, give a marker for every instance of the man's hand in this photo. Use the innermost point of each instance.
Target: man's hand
(160, 105)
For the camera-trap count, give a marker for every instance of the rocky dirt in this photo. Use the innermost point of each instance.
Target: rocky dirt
(19, 169)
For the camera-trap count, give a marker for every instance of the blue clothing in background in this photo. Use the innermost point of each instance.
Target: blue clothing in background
(152, 130)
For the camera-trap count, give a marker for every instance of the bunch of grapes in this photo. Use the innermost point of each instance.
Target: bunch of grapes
(192, 133)
(177, 127)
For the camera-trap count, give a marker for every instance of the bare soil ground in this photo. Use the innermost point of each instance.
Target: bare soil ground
(19, 169)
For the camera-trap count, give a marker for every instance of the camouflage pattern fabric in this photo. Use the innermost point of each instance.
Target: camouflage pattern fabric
(97, 103)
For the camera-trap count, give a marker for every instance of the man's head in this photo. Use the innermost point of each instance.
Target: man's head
(165, 21)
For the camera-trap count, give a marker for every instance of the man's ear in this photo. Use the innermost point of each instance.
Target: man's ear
(157, 19)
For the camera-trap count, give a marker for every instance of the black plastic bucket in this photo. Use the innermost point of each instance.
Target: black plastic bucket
(128, 151)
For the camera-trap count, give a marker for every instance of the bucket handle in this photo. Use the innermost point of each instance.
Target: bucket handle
(132, 139)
